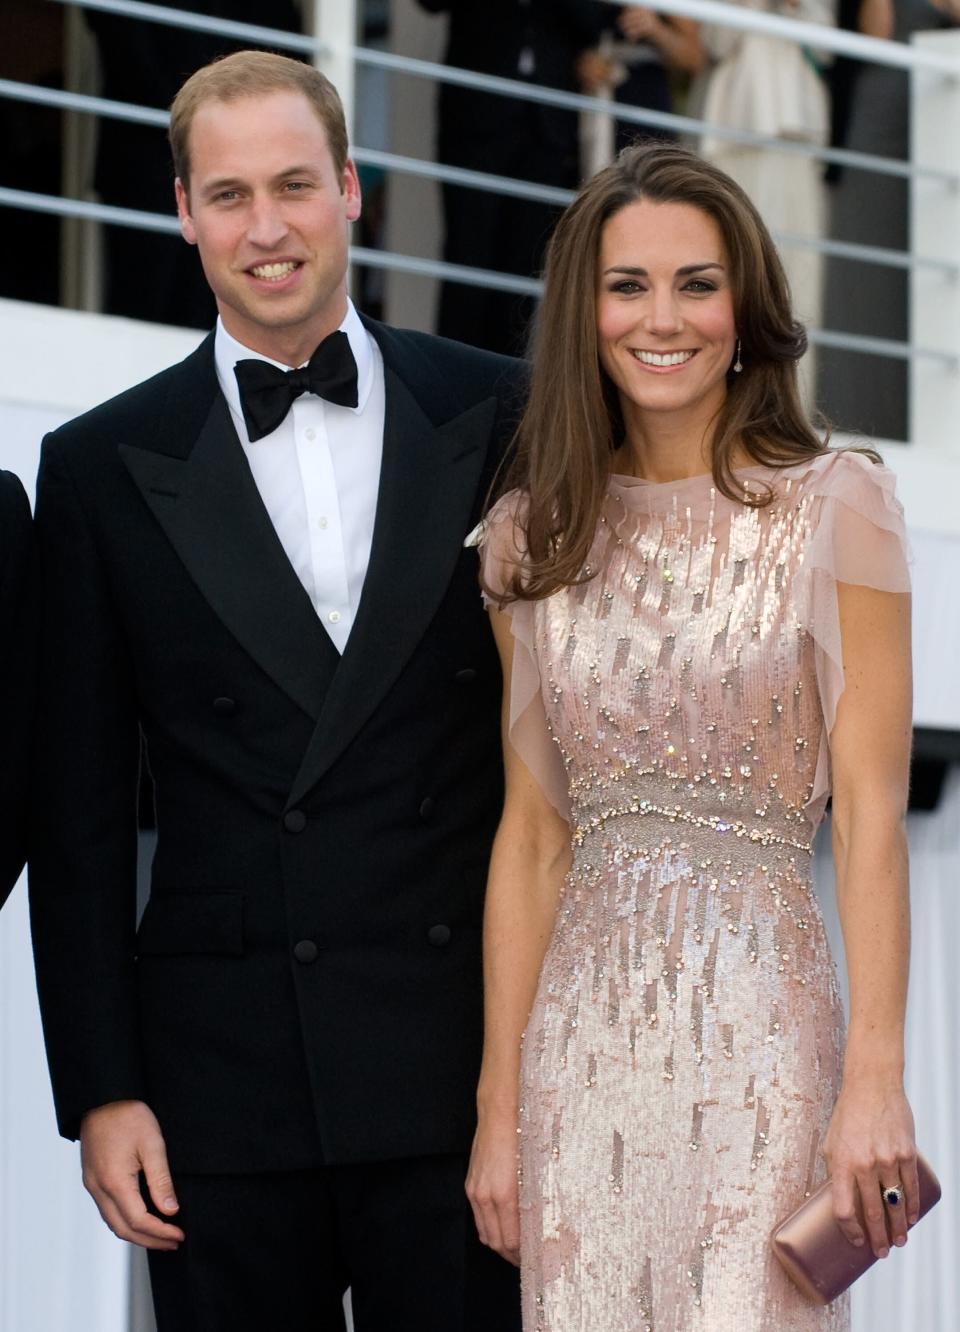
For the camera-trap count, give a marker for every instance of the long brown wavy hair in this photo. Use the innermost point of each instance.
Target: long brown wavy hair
(573, 420)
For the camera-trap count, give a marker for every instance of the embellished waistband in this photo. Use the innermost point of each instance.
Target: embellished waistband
(724, 827)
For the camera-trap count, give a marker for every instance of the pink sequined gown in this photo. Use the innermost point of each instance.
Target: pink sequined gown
(683, 1054)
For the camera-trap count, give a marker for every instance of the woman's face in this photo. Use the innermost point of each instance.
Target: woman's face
(665, 318)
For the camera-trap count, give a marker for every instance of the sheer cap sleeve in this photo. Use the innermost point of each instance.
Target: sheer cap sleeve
(502, 551)
(859, 538)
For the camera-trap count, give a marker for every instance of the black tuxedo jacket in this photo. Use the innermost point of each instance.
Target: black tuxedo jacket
(17, 675)
(305, 983)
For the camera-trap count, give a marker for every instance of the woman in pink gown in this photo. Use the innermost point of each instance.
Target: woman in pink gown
(703, 616)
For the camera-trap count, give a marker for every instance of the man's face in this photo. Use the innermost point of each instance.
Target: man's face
(270, 217)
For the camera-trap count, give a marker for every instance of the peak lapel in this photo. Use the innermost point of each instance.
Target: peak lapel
(210, 509)
(427, 493)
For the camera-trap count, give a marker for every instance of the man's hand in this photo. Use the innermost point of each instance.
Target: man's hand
(117, 1141)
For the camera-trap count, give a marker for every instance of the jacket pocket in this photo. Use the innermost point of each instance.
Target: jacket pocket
(188, 923)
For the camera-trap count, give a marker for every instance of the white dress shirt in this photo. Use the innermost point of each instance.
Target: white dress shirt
(318, 475)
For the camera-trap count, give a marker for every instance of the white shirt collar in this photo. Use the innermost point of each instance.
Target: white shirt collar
(228, 351)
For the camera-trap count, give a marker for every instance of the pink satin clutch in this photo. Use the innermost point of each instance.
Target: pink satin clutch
(815, 1253)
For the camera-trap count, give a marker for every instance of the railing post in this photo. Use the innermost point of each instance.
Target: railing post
(335, 23)
(935, 233)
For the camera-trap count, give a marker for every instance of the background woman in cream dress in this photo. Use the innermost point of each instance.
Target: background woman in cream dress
(773, 87)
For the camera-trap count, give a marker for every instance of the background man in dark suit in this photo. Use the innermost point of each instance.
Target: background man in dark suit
(265, 596)
(16, 675)
(536, 42)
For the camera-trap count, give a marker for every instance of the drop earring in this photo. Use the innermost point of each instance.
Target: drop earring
(738, 364)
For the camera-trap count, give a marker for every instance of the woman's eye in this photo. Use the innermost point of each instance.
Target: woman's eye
(699, 285)
(626, 287)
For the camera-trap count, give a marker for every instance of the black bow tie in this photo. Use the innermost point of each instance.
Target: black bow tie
(266, 393)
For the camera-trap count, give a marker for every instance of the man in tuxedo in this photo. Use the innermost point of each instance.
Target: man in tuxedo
(256, 584)
(16, 675)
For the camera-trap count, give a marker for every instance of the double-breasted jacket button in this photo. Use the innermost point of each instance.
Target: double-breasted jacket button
(224, 707)
(466, 676)
(306, 951)
(438, 935)
(427, 806)
(294, 820)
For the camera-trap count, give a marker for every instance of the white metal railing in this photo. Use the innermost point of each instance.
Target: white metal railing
(478, 180)
(875, 50)
(931, 62)
(523, 91)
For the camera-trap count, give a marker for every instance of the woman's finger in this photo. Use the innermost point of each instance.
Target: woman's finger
(910, 1180)
(874, 1214)
(894, 1200)
(844, 1206)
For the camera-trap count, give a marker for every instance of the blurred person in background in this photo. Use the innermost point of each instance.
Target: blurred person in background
(640, 55)
(772, 86)
(536, 42)
(858, 392)
(16, 675)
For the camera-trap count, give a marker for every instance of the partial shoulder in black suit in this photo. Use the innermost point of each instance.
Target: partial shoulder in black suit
(305, 983)
(17, 665)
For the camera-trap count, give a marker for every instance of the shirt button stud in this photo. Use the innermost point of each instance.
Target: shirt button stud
(294, 820)
(306, 951)
(322, 524)
(311, 433)
(334, 617)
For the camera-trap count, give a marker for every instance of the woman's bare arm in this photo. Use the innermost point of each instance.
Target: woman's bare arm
(875, 18)
(870, 1143)
(530, 858)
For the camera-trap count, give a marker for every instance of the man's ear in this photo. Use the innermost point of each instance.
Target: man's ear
(351, 191)
(187, 229)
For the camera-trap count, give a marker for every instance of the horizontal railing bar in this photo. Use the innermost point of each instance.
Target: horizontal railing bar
(434, 268)
(440, 268)
(875, 50)
(479, 180)
(524, 91)
(637, 115)
(839, 41)
(453, 175)
(867, 254)
(859, 342)
(88, 210)
(83, 102)
(219, 27)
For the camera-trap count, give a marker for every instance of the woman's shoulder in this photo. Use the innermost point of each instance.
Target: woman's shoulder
(852, 476)
(501, 537)
(505, 521)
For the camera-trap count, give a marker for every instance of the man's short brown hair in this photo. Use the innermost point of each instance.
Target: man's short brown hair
(254, 74)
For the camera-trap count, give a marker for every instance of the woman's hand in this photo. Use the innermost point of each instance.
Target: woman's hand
(492, 1185)
(594, 71)
(639, 24)
(869, 1147)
